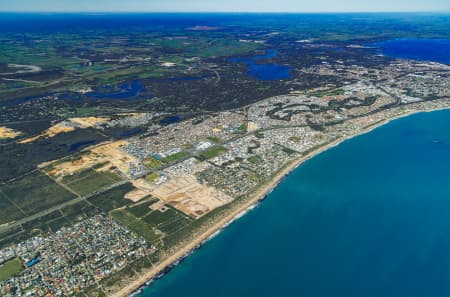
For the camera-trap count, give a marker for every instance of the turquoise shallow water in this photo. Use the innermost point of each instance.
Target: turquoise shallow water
(370, 217)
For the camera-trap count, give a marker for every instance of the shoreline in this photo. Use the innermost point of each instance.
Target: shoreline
(256, 197)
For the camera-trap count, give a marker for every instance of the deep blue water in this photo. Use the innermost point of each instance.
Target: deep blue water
(170, 120)
(75, 146)
(262, 70)
(130, 132)
(437, 50)
(22, 100)
(127, 90)
(367, 218)
(122, 22)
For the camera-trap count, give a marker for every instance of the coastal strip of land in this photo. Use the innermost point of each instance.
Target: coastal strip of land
(254, 199)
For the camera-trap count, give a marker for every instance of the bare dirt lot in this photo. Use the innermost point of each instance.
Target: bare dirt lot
(7, 133)
(189, 196)
(103, 156)
(88, 122)
(50, 132)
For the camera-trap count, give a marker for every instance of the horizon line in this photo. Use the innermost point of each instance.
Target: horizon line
(224, 12)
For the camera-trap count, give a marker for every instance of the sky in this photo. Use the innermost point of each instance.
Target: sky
(224, 5)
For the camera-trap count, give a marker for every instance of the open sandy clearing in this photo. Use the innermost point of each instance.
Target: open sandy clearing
(8, 133)
(50, 132)
(189, 196)
(103, 157)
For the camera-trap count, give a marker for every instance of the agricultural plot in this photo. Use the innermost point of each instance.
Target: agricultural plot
(90, 180)
(151, 224)
(8, 212)
(30, 194)
(168, 221)
(101, 203)
(49, 223)
(137, 225)
(111, 199)
(142, 209)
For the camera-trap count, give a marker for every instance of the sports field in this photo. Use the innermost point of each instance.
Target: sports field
(10, 268)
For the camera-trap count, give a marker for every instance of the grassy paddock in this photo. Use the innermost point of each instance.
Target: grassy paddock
(175, 157)
(135, 224)
(213, 152)
(10, 269)
(153, 163)
(112, 199)
(30, 194)
(89, 181)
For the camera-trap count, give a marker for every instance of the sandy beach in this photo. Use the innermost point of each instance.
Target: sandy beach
(250, 202)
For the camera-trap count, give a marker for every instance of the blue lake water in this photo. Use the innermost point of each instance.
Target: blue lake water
(76, 146)
(437, 50)
(124, 91)
(130, 132)
(170, 120)
(258, 68)
(367, 218)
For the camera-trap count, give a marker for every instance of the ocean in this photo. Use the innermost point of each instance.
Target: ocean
(436, 50)
(369, 217)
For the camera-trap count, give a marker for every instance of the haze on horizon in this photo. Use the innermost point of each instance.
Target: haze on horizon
(224, 6)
